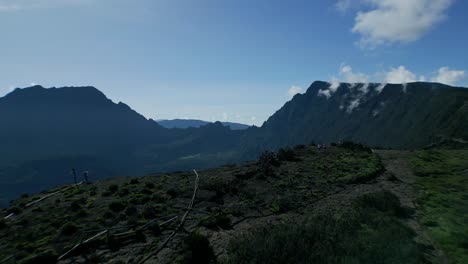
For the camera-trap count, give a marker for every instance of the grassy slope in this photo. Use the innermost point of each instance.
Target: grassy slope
(442, 175)
(232, 199)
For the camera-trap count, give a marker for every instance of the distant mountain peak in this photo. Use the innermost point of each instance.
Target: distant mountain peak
(38, 94)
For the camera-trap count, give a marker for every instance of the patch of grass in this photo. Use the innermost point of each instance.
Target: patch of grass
(363, 234)
(443, 180)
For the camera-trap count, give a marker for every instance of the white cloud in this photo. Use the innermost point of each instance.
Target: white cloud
(447, 76)
(346, 72)
(399, 75)
(293, 90)
(327, 93)
(334, 84)
(225, 116)
(401, 21)
(380, 87)
(353, 105)
(16, 5)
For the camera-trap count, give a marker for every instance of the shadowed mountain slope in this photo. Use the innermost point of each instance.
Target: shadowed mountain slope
(396, 116)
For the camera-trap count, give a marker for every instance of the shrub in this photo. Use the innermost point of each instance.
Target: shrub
(197, 249)
(112, 243)
(383, 201)
(108, 215)
(46, 257)
(69, 229)
(149, 212)
(216, 221)
(268, 157)
(149, 185)
(116, 206)
(123, 192)
(358, 235)
(134, 181)
(355, 146)
(217, 185)
(81, 213)
(2, 224)
(154, 228)
(75, 206)
(132, 221)
(24, 195)
(172, 193)
(282, 205)
(285, 154)
(131, 210)
(266, 162)
(113, 188)
(14, 210)
(158, 198)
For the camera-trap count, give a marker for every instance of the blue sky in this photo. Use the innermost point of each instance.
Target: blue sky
(232, 60)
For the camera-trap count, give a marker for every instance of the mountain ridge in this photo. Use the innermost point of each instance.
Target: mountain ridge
(50, 131)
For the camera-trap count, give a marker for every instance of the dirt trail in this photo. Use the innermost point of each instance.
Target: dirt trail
(399, 179)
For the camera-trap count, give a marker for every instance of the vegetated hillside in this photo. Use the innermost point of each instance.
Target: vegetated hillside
(318, 205)
(186, 123)
(396, 116)
(47, 132)
(442, 176)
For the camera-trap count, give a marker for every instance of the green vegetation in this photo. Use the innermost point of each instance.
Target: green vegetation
(69, 229)
(197, 249)
(217, 221)
(363, 234)
(442, 176)
(281, 186)
(116, 206)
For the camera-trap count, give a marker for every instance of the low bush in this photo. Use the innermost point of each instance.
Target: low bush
(149, 212)
(123, 192)
(172, 193)
(285, 154)
(116, 206)
(14, 210)
(149, 185)
(131, 210)
(216, 221)
(384, 201)
(134, 181)
(113, 188)
(2, 224)
(366, 233)
(49, 256)
(197, 249)
(69, 229)
(75, 206)
(355, 146)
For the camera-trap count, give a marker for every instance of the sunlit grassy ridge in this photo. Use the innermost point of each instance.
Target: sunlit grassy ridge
(442, 175)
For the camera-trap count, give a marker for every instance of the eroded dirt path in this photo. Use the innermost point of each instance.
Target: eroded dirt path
(399, 179)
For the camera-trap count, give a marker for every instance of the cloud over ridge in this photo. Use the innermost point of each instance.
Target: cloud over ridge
(397, 21)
